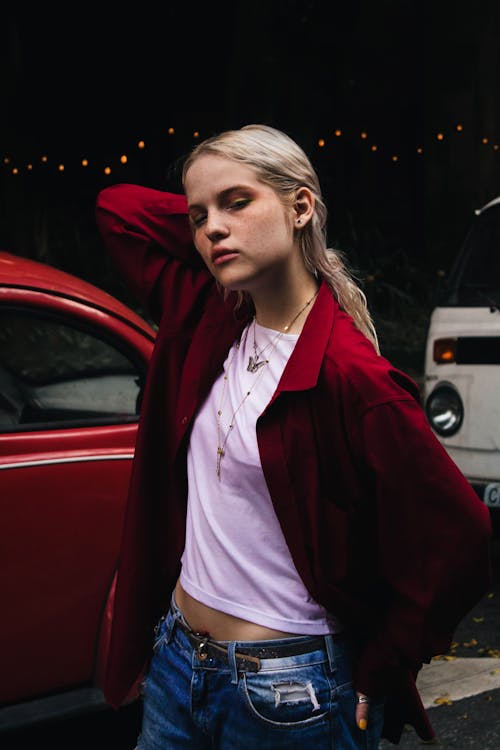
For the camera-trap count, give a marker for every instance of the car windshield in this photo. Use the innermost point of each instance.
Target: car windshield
(475, 277)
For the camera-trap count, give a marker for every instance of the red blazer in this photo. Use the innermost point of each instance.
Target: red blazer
(383, 528)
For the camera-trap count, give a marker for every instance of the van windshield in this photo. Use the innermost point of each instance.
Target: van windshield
(474, 279)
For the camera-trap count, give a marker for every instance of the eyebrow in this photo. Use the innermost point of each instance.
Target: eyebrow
(222, 195)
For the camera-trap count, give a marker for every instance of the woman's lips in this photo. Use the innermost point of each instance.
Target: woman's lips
(223, 256)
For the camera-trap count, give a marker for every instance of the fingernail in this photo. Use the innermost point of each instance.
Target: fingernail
(362, 724)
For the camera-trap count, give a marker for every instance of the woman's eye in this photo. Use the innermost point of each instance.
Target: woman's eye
(239, 203)
(197, 221)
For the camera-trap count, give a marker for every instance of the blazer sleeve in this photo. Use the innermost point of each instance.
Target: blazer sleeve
(147, 234)
(433, 543)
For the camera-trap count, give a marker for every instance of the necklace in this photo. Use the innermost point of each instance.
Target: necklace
(254, 364)
(222, 439)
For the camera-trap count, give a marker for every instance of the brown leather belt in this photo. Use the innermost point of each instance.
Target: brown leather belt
(248, 659)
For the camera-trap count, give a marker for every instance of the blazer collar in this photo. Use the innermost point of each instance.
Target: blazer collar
(302, 370)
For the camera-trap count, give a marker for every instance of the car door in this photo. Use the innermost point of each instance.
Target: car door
(71, 378)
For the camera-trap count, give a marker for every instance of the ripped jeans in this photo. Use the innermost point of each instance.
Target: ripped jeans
(199, 701)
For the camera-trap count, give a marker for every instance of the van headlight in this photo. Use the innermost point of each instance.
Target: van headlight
(445, 410)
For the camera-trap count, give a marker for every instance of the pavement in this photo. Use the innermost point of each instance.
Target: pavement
(462, 698)
(451, 679)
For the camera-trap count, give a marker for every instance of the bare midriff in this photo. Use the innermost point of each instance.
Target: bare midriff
(219, 625)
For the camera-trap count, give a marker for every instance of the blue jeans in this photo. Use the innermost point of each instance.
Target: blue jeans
(291, 703)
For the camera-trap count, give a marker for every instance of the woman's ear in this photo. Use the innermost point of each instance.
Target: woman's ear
(303, 207)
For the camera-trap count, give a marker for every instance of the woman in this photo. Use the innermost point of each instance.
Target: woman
(294, 528)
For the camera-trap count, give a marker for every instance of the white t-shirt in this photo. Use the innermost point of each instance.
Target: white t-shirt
(236, 559)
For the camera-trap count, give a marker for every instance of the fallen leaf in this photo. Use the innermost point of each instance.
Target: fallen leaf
(495, 671)
(469, 644)
(494, 653)
(491, 595)
(478, 619)
(444, 700)
(464, 716)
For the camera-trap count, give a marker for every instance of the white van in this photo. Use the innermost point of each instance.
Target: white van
(462, 359)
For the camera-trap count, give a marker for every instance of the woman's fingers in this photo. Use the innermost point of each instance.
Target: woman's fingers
(362, 710)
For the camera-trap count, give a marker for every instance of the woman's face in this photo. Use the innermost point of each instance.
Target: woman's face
(241, 229)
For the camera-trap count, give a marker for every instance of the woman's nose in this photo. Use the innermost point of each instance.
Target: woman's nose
(216, 226)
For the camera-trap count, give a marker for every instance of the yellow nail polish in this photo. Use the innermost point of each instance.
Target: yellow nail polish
(362, 724)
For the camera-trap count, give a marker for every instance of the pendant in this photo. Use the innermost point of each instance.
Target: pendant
(220, 455)
(253, 364)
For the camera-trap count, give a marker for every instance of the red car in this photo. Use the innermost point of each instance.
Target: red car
(73, 361)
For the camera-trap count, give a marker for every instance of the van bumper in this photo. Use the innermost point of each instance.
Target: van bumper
(489, 493)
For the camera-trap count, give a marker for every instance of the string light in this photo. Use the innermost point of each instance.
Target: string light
(321, 142)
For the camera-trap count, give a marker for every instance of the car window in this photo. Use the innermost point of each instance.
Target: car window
(475, 277)
(55, 372)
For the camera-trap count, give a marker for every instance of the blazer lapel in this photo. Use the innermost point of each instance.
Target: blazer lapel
(303, 367)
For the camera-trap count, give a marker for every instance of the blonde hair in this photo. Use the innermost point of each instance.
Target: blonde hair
(280, 163)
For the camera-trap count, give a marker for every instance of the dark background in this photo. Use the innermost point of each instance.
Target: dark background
(419, 79)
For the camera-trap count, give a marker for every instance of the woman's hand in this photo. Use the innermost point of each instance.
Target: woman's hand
(362, 710)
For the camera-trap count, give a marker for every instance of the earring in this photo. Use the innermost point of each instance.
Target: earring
(299, 221)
